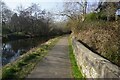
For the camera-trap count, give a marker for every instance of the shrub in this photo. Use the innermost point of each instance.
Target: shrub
(91, 16)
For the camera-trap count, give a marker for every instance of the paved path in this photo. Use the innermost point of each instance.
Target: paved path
(56, 64)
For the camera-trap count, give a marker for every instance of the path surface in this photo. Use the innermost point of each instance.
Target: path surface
(56, 64)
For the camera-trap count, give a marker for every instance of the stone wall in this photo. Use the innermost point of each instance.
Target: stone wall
(93, 65)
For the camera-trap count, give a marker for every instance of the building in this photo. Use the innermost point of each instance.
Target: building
(118, 14)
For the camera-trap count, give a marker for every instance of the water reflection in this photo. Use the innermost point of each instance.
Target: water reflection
(13, 49)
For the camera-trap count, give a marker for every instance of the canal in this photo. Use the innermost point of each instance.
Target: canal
(11, 50)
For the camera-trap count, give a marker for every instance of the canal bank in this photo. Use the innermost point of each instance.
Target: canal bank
(22, 66)
(11, 50)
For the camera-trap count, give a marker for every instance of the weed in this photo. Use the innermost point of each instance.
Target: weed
(75, 70)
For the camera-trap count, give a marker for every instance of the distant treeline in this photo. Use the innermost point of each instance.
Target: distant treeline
(30, 22)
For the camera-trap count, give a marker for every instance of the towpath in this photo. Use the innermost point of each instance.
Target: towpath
(56, 64)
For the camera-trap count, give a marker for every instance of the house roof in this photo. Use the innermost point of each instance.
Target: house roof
(118, 12)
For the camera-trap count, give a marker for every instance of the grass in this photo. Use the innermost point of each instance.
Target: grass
(75, 69)
(23, 66)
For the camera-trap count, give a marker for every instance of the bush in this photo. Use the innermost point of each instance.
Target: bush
(91, 17)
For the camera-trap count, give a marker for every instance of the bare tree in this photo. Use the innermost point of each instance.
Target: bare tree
(76, 12)
(6, 13)
(73, 10)
(108, 8)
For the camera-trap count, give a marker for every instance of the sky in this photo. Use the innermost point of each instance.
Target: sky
(49, 5)
(44, 4)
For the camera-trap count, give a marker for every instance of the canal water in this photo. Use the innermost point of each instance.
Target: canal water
(11, 50)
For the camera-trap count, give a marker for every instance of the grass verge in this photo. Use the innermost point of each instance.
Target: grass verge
(23, 66)
(75, 70)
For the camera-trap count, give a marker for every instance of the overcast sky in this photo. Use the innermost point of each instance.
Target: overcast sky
(45, 4)
(49, 5)
(12, 4)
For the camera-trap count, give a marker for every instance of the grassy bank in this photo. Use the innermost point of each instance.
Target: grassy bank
(24, 65)
(75, 70)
